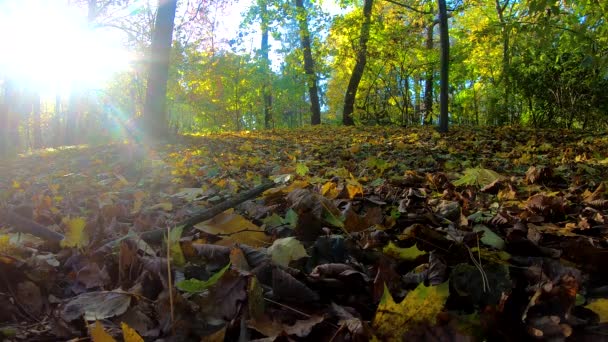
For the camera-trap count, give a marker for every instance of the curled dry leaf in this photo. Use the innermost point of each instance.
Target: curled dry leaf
(96, 305)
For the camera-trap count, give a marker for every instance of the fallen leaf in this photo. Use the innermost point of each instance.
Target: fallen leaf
(285, 250)
(234, 228)
(273, 329)
(489, 238)
(98, 334)
(600, 307)
(421, 305)
(28, 294)
(129, 334)
(96, 305)
(165, 206)
(189, 194)
(477, 176)
(354, 188)
(196, 285)
(301, 169)
(75, 235)
(177, 255)
(138, 202)
(405, 254)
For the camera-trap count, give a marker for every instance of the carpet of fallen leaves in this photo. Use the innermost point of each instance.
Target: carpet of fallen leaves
(368, 233)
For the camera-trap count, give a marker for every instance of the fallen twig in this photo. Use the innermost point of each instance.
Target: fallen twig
(29, 226)
(209, 213)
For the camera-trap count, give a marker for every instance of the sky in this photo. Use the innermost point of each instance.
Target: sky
(50, 45)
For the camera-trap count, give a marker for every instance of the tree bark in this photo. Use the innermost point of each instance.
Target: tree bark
(155, 116)
(9, 120)
(309, 65)
(355, 77)
(444, 38)
(428, 83)
(265, 49)
(36, 130)
(500, 9)
(4, 113)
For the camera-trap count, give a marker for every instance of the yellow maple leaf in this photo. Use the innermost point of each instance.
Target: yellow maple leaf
(353, 187)
(421, 305)
(129, 334)
(98, 334)
(330, 190)
(75, 235)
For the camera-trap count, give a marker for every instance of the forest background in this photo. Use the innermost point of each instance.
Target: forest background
(532, 62)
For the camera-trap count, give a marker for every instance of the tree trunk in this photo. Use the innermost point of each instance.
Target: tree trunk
(4, 120)
(505, 59)
(309, 65)
(264, 49)
(417, 89)
(406, 101)
(428, 83)
(155, 116)
(355, 77)
(36, 131)
(444, 38)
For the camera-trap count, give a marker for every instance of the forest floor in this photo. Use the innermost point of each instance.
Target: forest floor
(369, 233)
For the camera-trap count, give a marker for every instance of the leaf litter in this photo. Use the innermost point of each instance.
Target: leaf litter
(367, 234)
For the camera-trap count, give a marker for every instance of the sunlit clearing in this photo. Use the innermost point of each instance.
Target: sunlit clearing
(51, 47)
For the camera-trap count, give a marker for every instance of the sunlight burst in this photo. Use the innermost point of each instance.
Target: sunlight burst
(51, 47)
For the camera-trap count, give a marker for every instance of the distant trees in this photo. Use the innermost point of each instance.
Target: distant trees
(379, 62)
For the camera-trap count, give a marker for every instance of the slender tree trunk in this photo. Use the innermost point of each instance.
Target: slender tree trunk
(428, 83)
(309, 65)
(4, 119)
(36, 131)
(417, 99)
(475, 106)
(406, 100)
(444, 38)
(505, 57)
(155, 116)
(71, 119)
(264, 19)
(355, 77)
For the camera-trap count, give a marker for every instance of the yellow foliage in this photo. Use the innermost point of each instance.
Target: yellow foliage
(353, 187)
(406, 254)
(600, 307)
(330, 190)
(75, 235)
(420, 306)
(98, 334)
(129, 334)
(233, 227)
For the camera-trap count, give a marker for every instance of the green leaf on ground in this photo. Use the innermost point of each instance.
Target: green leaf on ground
(285, 250)
(196, 285)
(477, 176)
